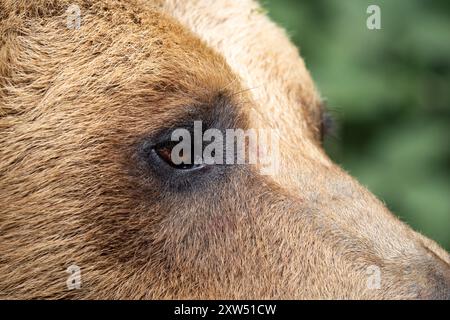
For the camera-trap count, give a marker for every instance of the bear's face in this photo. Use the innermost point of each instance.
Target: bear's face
(85, 182)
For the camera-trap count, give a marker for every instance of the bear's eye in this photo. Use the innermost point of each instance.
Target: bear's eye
(184, 160)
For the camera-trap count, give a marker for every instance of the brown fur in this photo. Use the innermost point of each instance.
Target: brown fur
(75, 106)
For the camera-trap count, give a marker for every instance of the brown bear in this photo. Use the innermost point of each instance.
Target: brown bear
(92, 205)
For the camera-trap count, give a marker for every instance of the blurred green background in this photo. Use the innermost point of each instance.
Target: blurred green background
(389, 91)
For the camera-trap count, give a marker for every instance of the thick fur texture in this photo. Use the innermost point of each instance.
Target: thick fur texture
(76, 107)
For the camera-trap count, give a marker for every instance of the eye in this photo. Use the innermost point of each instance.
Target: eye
(164, 153)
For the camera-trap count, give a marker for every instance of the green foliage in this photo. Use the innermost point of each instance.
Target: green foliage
(389, 90)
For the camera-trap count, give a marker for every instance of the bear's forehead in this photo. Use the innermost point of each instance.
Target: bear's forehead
(262, 56)
(118, 49)
(213, 45)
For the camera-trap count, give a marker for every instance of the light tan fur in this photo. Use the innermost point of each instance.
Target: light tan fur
(76, 104)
